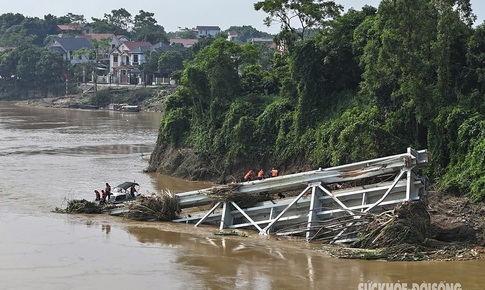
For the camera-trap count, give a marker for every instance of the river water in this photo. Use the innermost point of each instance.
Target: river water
(48, 156)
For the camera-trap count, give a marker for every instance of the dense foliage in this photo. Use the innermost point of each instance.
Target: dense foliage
(371, 83)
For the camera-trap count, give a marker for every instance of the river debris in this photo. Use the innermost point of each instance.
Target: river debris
(230, 233)
(407, 223)
(428, 251)
(162, 206)
(80, 206)
(401, 235)
(229, 192)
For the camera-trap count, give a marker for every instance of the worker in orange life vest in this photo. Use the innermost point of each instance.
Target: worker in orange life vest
(249, 175)
(260, 174)
(274, 172)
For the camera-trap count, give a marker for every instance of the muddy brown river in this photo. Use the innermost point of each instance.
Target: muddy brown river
(48, 156)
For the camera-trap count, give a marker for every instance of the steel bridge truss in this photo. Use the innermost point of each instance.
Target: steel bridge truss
(344, 193)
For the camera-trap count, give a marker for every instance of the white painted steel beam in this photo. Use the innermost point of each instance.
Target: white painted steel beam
(268, 215)
(337, 174)
(352, 193)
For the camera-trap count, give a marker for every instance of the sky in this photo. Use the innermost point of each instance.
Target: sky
(172, 14)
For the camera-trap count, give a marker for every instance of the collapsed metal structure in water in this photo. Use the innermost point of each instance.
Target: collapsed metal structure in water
(328, 204)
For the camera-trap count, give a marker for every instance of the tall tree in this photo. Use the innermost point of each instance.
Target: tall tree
(145, 28)
(170, 61)
(118, 22)
(296, 16)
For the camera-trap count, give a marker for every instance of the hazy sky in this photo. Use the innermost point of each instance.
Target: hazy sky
(172, 14)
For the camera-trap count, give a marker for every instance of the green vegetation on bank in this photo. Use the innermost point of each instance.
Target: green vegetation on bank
(370, 83)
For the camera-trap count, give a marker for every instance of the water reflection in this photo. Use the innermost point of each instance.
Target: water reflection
(243, 263)
(106, 229)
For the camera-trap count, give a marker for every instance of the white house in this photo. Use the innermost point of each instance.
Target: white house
(125, 61)
(207, 30)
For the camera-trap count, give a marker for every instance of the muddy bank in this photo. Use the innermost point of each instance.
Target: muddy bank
(154, 102)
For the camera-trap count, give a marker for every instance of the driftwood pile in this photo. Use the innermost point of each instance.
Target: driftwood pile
(164, 206)
(407, 223)
(161, 206)
(226, 193)
(80, 206)
(400, 235)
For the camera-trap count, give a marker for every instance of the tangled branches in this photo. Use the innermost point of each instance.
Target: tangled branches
(226, 193)
(407, 225)
(80, 206)
(161, 206)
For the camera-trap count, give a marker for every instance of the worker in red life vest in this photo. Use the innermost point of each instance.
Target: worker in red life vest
(98, 196)
(249, 175)
(260, 174)
(108, 190)
(274, 172)
(103, 196)
(132, 190)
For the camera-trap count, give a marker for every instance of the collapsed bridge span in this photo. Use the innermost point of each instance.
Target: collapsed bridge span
(336, 199)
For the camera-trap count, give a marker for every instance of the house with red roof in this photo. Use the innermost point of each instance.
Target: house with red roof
(74, 29)
(184, 42)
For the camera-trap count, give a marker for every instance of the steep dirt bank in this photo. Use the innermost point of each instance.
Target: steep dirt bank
(56, 102)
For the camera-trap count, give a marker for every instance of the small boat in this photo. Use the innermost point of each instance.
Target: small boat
(124, 108)
(128, 108)
(122, 192)
(83, 106)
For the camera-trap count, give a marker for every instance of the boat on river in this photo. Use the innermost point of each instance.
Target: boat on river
(125, 191)
(124, 107)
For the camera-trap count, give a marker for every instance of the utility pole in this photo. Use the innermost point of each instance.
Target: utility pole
(66, 76)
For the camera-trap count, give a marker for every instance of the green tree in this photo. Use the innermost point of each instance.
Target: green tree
(118, 22)
(16, 36)
(71, 18)
(170, 61)
(187, 33)
(8, 20)
(246, 32)
(145, 28)
(307, 13)
(253, 80)
(49, 70)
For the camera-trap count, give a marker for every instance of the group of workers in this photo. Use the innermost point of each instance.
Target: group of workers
(250, 174)
(105, 194)
(103, 197)
(272, 173)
